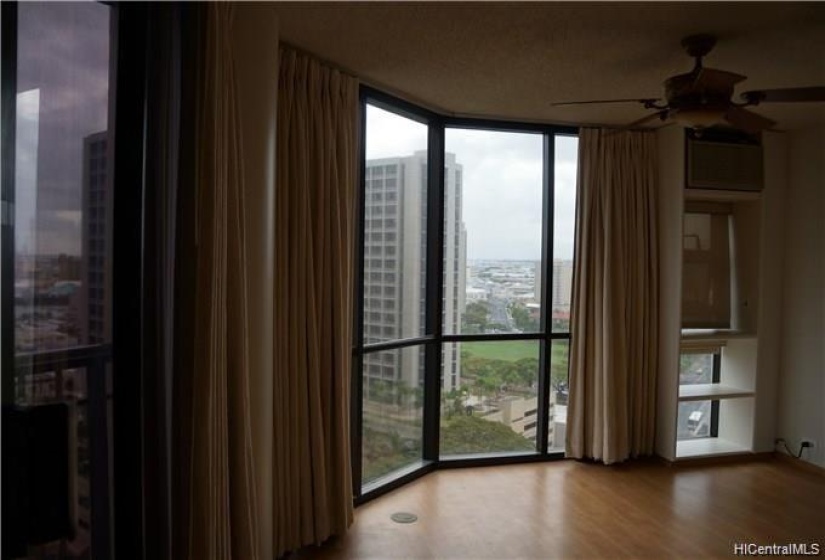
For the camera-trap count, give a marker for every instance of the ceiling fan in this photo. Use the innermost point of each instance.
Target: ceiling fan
(703, 97)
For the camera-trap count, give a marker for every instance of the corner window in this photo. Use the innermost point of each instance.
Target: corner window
(478, 222)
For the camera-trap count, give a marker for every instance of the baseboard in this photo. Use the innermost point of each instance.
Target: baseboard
(799, 463)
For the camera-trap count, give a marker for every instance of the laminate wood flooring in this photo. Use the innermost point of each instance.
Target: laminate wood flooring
(569, 509)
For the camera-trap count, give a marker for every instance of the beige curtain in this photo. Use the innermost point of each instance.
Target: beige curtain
(214, 509)
(613, 352)
(314, 220)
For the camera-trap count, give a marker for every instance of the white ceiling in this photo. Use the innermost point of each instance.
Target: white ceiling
(513, 60)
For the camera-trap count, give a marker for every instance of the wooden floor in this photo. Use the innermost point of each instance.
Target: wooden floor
(568, 509)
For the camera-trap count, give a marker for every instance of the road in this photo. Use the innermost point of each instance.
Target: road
(500, 315)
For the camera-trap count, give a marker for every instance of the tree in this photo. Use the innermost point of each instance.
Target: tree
(522, 319)
(488, 384)
(558, 371)
(526, 371)
(473, 434)
(475, 318)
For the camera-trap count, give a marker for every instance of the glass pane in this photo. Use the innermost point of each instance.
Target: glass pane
(557, 426)
(564, 228)
(393, 408)
(694, 420)
(489, 403)
(695, 369)
(493, 224)
(395, 219)
(62, 267)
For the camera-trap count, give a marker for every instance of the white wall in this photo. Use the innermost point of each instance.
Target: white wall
(801, 409)
(771, 276)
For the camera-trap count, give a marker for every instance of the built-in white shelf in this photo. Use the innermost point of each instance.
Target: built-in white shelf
(708, 447)
(711, 391)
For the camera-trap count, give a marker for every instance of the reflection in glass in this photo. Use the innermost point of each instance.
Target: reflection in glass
(62, 262)
(393, 407)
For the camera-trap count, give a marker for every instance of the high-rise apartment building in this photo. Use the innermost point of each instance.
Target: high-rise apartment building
(395, 247)
(562, 284)
(95, 325)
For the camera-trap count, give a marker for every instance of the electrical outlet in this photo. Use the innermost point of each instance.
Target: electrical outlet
(807, 443)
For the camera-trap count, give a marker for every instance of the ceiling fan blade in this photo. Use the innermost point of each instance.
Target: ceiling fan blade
(785, 95)
(716, 80)
(748, 120)
(636, 100)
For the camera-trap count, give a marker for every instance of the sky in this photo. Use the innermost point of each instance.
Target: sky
(63, 81)
(63, 93)
(502, 182)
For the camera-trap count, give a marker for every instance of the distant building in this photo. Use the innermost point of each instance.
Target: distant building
(95, 325)
(395, 240)
(562, 284)
(477, 294)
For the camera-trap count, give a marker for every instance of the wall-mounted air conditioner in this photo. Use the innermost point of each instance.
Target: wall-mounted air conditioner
(723, 165)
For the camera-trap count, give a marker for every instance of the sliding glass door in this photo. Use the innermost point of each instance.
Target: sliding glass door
(61, 377)
(61, 383)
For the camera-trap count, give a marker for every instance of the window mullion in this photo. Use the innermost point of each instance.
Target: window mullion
(357, 376)
(435, 288)
(545, 322)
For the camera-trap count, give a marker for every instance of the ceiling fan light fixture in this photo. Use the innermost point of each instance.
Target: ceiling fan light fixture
(700, 117)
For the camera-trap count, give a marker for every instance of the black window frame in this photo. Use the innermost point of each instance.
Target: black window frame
(433, 340)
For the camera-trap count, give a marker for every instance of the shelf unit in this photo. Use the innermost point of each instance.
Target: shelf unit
(734, 392)
(749, 350)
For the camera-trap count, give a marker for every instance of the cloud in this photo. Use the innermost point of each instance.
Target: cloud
(390, 135)
(502, 183)
(502, 192)
(63, 53)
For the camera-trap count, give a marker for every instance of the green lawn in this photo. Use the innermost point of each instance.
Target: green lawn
(510, 350)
